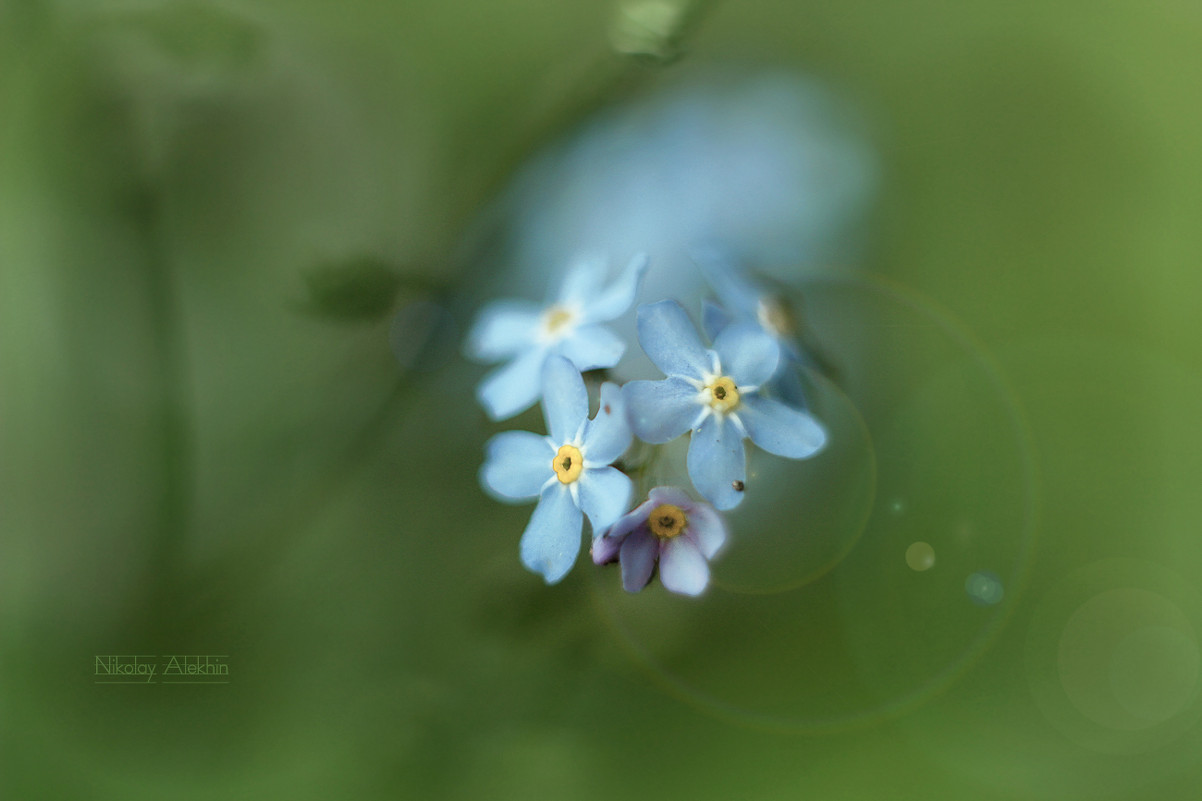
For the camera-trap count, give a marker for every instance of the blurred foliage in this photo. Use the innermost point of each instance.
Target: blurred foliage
(197, 37)
(363, 288)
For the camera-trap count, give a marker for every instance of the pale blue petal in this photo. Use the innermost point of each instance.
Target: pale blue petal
(748, 355)
(670, 340)
(592, 346)
(502, 329)
(608, 435)
(619, 296)
(605, 549)
(791, 352)
(706, 528)
(552, 539)
(565, 400)
(728, 281)
(780, 429)
(513, 388)
(788, 386)
(716, 460)
(517, 464)
(639, 552)
(583, 280)
(713, 318)
(604, 495)
(660, 411)
(682, 568)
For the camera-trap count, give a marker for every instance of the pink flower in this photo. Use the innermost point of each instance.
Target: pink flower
(670, 528)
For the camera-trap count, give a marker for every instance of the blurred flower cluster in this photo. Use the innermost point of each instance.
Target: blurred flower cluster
(772, 169)
(718, 395)
(700, 180)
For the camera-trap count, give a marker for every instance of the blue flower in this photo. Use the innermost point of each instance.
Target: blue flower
(525, 334)
(670, 528)
(742, 300)
(568, 471)
(716, 394)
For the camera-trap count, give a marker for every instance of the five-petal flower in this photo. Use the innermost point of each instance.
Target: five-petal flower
(670, 528)
(568, 471)
(715, 393)
(525, 334)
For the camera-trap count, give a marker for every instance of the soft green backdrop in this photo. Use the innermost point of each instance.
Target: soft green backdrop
(207, 444)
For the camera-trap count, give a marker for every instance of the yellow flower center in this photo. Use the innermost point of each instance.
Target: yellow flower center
(555, 319)
(774, 316)
(567, 464)
(724, 395)
(667, 521)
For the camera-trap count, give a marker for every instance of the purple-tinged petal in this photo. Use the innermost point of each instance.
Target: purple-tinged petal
(592, 346)
(714, 318)
(552, 539)
(503, 329)
(608, 435)
(748, 355)
(682, 568)
(604, 495)
(639, 552)
(612, 302)
(660, 411)
(605, 550)
(780, 429)
(706, 528)
(670, 340)
(672, 495)
(517, 464)
(630, 521)
(717, 461)
(565, 400)
(514, 387)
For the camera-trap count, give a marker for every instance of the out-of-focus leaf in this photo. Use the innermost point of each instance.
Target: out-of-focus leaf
(354, 290)
(199, 41)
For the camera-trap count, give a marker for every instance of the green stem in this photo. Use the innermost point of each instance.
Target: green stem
(601, 76)
(170, 404)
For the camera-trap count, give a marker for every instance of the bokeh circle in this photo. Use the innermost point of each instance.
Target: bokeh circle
(817, 617)
(1114, 656)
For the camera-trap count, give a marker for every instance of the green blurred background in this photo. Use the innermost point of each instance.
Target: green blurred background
(214, 438)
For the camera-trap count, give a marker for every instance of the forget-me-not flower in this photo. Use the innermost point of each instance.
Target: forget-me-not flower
(743, 300)
(568, 471)
(715, 393)
(526, 334)
(670, 528)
